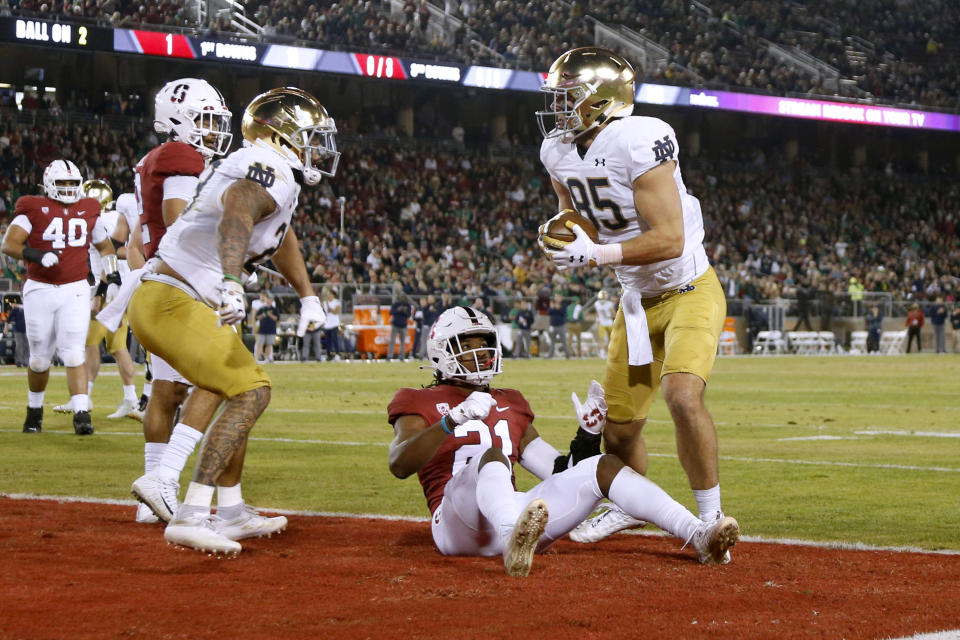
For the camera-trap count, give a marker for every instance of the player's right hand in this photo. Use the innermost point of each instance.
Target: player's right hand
(592, 414)
(49, 259)
(476, 406)
(233, 302)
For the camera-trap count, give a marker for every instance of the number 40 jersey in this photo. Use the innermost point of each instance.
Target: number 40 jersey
(190, 245)
(65, 229)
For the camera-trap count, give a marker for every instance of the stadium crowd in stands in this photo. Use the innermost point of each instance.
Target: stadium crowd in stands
(890, 57)
(773, 225)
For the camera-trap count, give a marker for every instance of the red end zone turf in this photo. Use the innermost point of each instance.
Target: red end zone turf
(80, 570)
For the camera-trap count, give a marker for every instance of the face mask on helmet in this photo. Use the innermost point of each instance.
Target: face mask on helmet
(192, 111)
(295, 124)
(453, 358)
(584, 88)
(61, 181)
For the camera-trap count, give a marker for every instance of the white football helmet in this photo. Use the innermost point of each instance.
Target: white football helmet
(444, 347)
(61, 181)
(191, 110)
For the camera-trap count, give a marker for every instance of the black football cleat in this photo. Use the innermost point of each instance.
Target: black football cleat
(82, 425)
(34, 421)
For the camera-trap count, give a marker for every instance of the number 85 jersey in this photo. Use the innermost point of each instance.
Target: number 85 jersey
(601, 187)
(190, 245)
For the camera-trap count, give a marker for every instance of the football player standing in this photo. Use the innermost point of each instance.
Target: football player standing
(462, 437)
(116, 341)
(51, 233)
(240, 216)
(621, 171)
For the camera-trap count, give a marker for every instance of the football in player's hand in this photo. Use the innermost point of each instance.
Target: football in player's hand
(557, 227)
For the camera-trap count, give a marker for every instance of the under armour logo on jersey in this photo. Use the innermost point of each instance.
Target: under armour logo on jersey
(599, 162)
(265, 177)
(663, 150)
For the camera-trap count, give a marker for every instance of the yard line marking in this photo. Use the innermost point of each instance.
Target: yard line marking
(849, 546)
(892, 432)
(798, 438)
(349, 443)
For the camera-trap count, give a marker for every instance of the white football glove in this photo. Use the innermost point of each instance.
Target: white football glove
(579, 253)
(592, 414)
(233, 302)
(476, 406)
(311, 310)
(49, 259)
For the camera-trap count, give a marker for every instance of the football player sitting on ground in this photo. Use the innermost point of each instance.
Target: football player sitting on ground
(51, 234)
(462, 438)
(116, 341)
(241, 215)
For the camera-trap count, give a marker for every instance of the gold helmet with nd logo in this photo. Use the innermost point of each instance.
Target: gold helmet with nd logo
(296, 125)
(584, 88)
(98, 190)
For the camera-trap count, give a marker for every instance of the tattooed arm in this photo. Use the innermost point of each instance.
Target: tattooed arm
(244, 204)
(289, 262)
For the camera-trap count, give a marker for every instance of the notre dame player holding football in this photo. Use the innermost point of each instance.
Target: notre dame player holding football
(240, 215)
(621, 171)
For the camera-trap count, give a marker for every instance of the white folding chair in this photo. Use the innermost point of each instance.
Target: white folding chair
(728, 345)
(827, 342)
(858, 342)
(892, 342)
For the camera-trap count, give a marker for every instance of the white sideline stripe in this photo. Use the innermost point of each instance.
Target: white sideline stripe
(818, 438)
(952, 634)
(845, 546)
(892, 432)
(348, 443)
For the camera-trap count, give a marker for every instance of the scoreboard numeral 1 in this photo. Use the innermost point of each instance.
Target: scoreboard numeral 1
(169, 40)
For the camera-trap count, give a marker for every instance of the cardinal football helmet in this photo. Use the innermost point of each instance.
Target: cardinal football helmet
(99, 190)
(584, 88)
(193, 111)
(295, 124)
(445, 349)
(61, 181)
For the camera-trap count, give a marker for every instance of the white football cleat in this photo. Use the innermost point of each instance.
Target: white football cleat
(125, 409)
(522, 543)
(145, 515)
(712, 540)
(608, 521)
(158, 494)
(196, 531)
(63, 408)
(250, 524)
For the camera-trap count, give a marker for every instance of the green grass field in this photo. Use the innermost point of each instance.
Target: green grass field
(845, 449)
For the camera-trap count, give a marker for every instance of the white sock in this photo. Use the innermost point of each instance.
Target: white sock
(130, 393)
(35, 399)
(152, 453)
(644, 500)
(495, 496)
(90, 388)
(147, 388)
(198, 499)
(708, 502)
(80, 402)
(183, 441)
(229, 496)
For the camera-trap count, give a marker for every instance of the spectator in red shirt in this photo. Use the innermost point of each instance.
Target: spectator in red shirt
(915, 320)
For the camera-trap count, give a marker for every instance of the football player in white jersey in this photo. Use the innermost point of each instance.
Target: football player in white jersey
(239, 216)
(110, 213)
(621, 172)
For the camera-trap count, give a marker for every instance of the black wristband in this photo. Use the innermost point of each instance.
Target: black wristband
(584, 445)
(102, 289)
(33, 255)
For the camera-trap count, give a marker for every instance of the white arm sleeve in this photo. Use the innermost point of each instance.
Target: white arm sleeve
(538, 457)
(180, 187)
(23, 222)
(99, 233)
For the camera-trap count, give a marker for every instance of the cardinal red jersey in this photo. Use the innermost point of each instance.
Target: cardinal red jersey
(504, 428)
(169, 159)
(65, 229)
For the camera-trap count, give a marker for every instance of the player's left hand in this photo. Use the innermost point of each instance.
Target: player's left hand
(579, 253)
(592, 414)
(233, 302)
(310, 311)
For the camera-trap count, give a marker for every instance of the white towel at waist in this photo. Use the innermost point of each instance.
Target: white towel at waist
(112, 315)
(639, 350)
